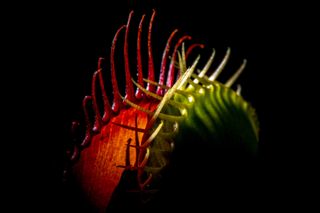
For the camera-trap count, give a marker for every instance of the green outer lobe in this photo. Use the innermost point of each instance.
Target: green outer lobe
(220, 115)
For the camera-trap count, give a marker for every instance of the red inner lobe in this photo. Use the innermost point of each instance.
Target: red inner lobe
(97, 170)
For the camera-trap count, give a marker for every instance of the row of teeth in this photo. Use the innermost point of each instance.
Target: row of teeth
(184, 84)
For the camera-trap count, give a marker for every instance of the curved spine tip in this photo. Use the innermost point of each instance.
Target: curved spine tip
(88, 134)
(171, 74)
(98, 120)
(192, 47)
(160, 91)
(150, 56)
(75, 153)
(117, 103)
(206, 67)
(139, 93)
(223, 63)
(106, 104)
(129, 85)
(236, 75)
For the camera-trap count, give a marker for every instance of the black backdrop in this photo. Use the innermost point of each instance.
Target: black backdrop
(66, 39)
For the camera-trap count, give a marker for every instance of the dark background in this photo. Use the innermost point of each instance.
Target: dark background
(62, 42)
